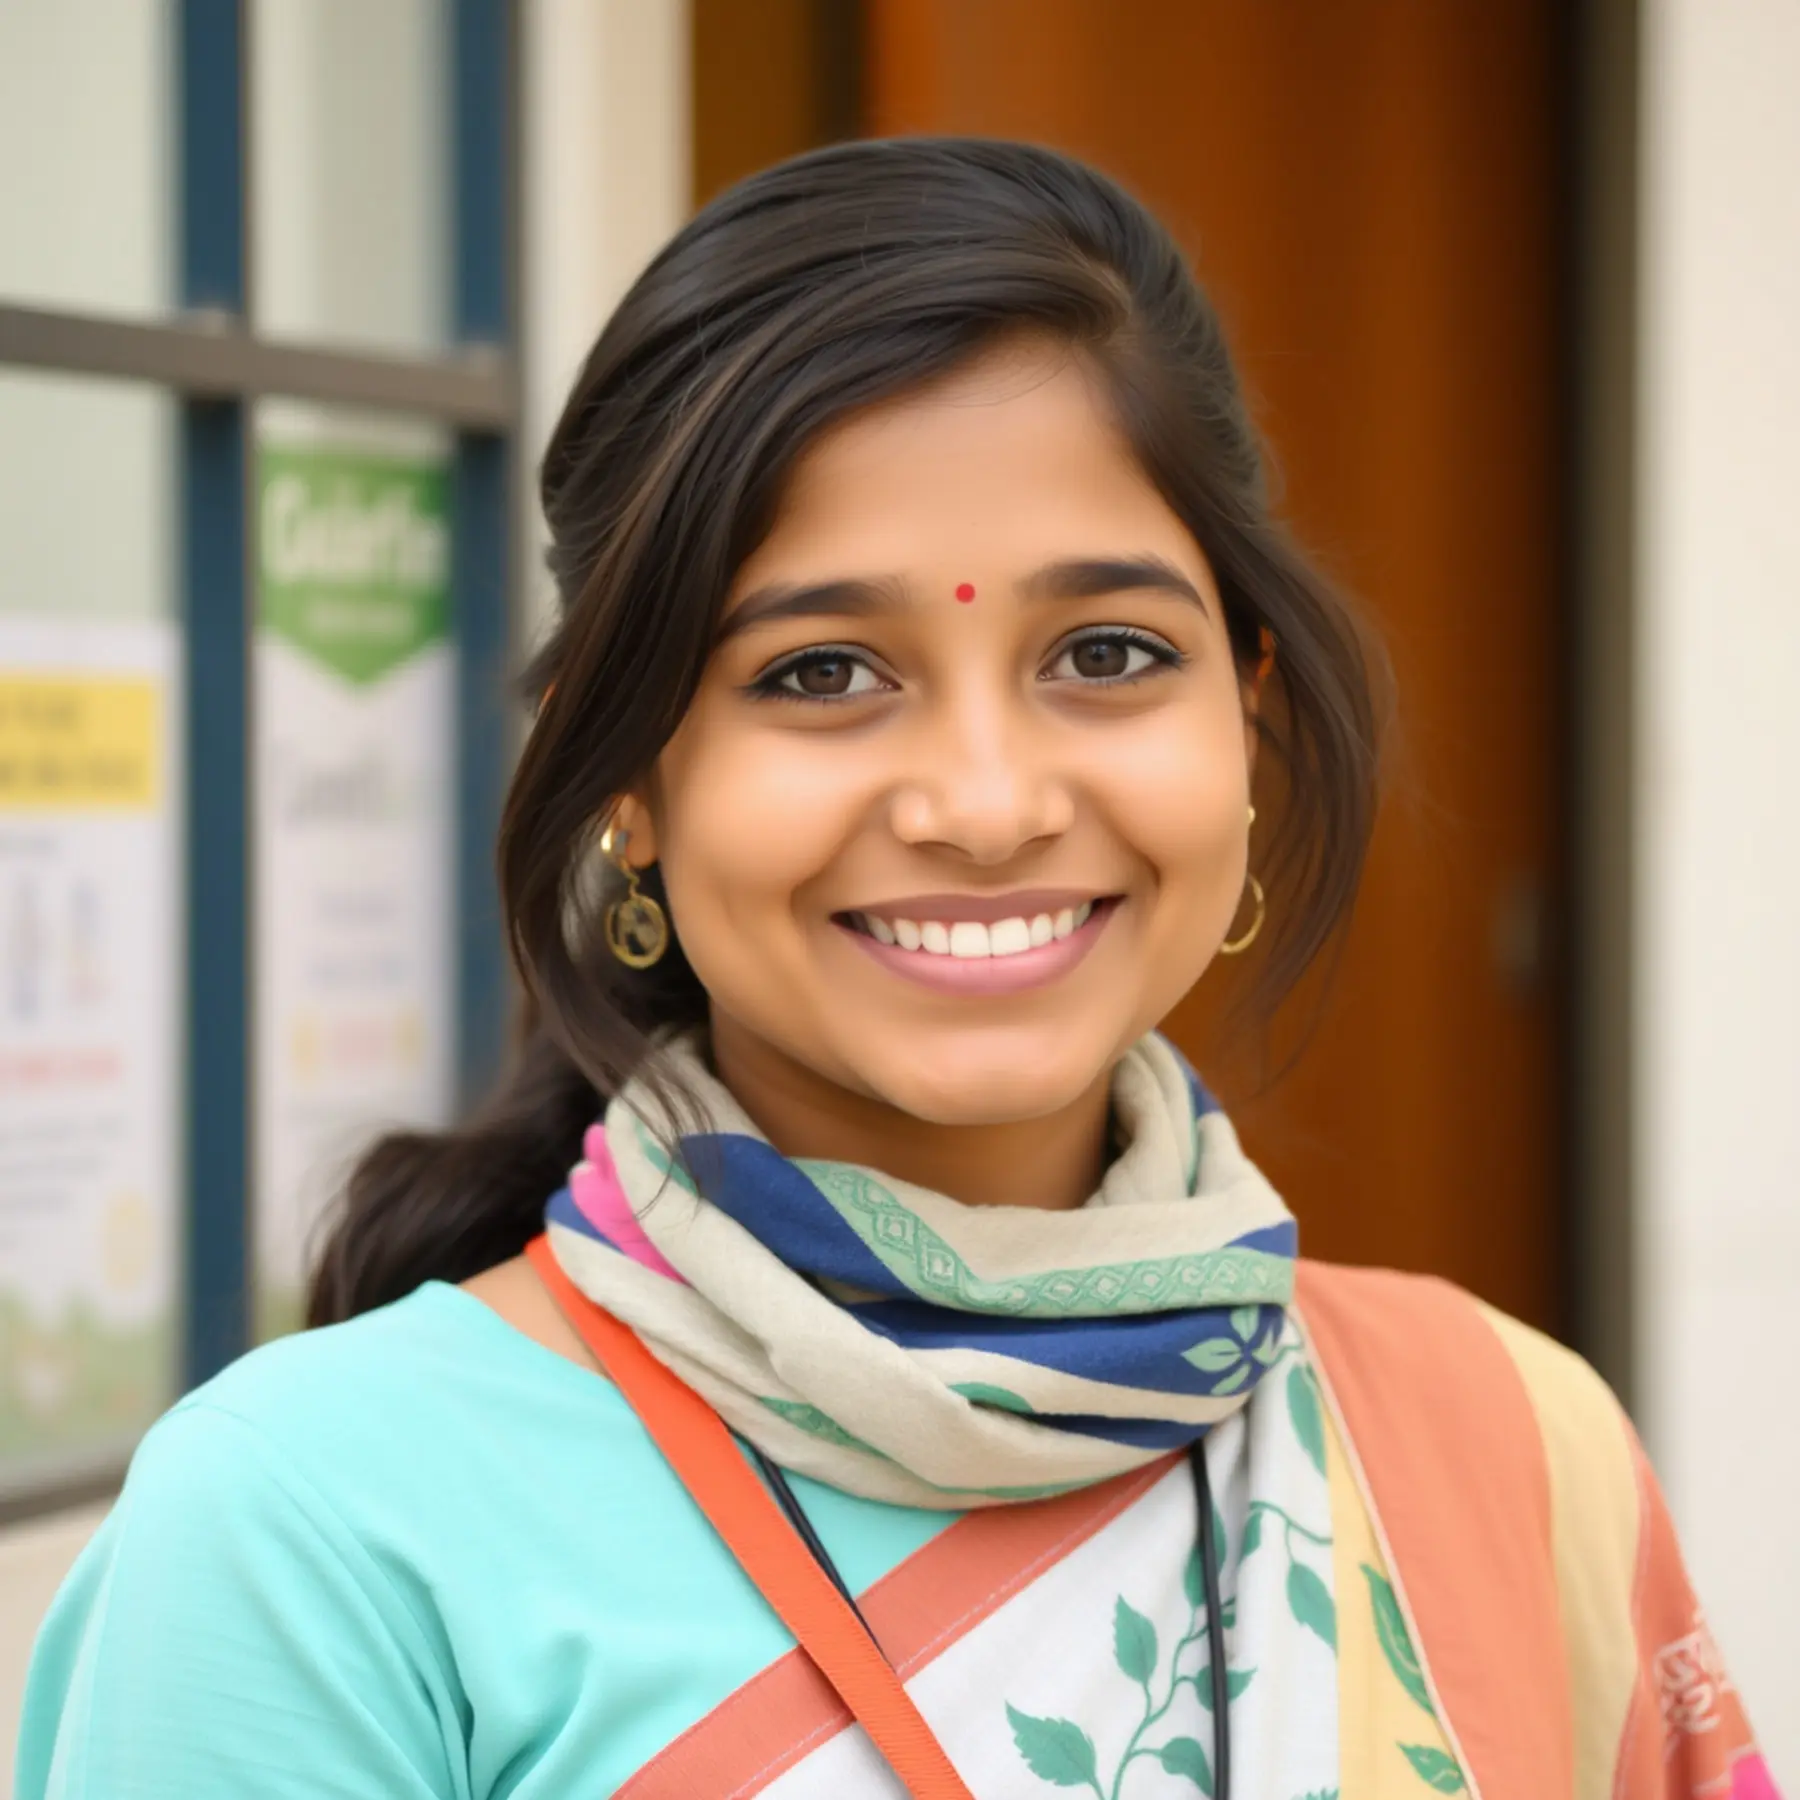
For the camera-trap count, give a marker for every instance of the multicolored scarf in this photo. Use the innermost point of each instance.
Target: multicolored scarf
(907, 1348)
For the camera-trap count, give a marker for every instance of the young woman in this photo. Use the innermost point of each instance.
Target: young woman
(852, 1355)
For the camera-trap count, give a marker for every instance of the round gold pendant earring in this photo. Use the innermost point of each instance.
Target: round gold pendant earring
(1237, 946)
(637, 929)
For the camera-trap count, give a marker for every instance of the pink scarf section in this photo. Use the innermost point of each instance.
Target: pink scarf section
(599, 1196)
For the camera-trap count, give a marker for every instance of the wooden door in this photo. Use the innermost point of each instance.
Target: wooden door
(1368, 190)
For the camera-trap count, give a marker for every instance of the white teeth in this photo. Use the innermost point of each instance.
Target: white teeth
(1007, 937)
(968, 940)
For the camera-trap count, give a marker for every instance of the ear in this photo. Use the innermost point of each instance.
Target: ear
(1250, 695)
(1251, 687)
(632, 815)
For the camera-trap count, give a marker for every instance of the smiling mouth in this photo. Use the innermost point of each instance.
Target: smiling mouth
(974, 940)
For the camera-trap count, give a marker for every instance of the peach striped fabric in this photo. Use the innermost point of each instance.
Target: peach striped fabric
(1531, 1549)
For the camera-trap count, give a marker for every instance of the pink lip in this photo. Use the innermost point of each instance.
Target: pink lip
(987, 975)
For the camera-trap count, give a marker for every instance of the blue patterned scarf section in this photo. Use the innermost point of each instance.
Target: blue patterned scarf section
(911, 1349)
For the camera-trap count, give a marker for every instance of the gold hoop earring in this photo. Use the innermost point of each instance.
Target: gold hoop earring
(637, 929)
(1237, 946)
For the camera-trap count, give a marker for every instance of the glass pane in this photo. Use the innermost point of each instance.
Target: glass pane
(351, 171)
(87, 186)
(355, 810)
(91, 931)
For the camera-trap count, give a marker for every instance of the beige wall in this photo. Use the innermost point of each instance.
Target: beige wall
(607, 158)
(1717, 881)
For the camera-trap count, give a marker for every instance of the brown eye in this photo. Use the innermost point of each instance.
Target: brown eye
(1100, 659)
(1110, 658)
(824, 679)
(823, 674)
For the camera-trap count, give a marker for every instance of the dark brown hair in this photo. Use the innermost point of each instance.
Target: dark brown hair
(812, 289)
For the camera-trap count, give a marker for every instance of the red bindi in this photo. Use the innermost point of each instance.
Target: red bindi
(966, 591)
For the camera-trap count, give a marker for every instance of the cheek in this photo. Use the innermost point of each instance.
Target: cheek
(1180, 797)
(746, 817)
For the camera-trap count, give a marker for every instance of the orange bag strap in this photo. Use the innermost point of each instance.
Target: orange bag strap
(701, 1450)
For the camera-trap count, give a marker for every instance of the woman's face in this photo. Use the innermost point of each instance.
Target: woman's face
(960, 809)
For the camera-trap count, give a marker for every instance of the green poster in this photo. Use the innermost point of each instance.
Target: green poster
(355, 556)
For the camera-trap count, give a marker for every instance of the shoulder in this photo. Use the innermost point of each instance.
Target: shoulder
(283, 1385)
(287, 1580)
(233, 1596)
(1441, 1388)
(1425, 1334)
(409, 1386)
(310, 1454)
(379, 1442)
(407, 1434)
(1418, 1341)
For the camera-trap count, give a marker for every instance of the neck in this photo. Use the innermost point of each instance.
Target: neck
(1053, 1163)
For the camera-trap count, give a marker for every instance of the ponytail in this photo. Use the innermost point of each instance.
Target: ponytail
(424, 1206)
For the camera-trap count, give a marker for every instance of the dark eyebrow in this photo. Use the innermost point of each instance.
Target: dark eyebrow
(849, 598)
(1086, 578)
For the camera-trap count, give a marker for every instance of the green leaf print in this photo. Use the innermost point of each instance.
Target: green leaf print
(985, 1393)
(1184, 1756)
(1303, 1409)
(1395, 1639)
(1309, 1600)
(1252, 1534)
(1134, 1642)
(658, 1158)
(1236, 1680)
(1215, 1355)
(1435, 1768)
(1054, 1750)
(1193, 1579)
(1244, 1321)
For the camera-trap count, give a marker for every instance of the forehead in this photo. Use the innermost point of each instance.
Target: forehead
(1016, 454)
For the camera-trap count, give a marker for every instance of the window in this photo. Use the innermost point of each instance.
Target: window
(256, 412)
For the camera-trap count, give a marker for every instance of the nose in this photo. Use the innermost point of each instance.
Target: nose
(981, 782)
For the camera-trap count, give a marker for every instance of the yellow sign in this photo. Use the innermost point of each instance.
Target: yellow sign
(78, 743)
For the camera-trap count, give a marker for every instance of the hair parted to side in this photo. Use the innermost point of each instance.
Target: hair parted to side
(817, 287)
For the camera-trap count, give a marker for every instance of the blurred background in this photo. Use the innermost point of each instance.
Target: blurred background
(290, 291)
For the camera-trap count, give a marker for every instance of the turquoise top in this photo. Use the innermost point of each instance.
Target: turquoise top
(414, 1555)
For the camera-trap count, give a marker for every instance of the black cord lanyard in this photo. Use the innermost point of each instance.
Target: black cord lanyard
(1209, 1575)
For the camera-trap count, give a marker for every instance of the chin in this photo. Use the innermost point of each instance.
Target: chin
(976, 1077)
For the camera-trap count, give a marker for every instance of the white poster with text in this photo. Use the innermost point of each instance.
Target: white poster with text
(355, 766)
